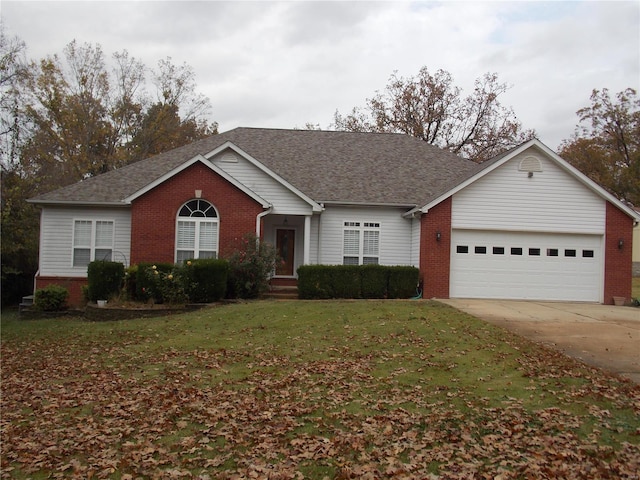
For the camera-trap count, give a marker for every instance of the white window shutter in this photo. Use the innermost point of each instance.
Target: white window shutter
(104, 234)
(371, 244)
(82, 233)
(186, 235)
(208, 236)
(351, 242)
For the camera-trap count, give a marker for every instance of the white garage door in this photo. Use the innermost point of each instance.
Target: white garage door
(535, 266)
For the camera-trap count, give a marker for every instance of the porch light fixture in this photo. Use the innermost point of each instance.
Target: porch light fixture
(620, 244)
(438, 236)
(286, 222)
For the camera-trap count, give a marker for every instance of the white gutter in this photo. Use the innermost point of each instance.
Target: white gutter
(259, 218)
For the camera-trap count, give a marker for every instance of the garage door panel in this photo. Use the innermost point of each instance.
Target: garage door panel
(538, 266)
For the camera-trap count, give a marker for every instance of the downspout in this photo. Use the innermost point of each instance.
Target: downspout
(259, 218)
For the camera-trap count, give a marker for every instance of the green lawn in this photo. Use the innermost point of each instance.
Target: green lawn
(635, 287)
(335, 389)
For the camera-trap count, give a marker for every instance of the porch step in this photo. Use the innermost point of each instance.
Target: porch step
(282, 293)
(27, 301)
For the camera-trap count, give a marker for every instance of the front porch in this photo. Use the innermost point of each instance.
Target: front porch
(291, 236)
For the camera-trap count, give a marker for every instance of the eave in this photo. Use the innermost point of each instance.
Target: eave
(73, 203)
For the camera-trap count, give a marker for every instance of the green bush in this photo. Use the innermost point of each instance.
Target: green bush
(315, 282)
(148, 285)
(402, 281)
(51, 298)
(357, 281)
(131, 282)
(250, 266)
(105, 279)
(205, 280)
(346, 281)
(374, 280)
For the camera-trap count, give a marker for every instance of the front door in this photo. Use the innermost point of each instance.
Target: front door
(285, 244)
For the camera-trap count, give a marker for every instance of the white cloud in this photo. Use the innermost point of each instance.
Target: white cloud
(282, 64)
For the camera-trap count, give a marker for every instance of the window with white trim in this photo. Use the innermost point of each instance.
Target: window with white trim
(361, 243)
(92, 240)
(196, 231)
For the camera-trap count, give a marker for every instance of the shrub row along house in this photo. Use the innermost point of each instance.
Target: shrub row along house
(523, 225)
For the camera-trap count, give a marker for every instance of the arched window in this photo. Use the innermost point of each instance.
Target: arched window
(197, 231)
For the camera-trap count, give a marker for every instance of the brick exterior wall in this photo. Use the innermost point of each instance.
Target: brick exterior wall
(153, 215)
(435, 256)
(617, 264)
(73, 284)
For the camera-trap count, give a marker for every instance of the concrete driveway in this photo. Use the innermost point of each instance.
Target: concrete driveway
(601, 335)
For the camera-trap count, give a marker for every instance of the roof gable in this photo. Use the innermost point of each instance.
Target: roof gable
(184, 166)
(230, 146)
(491, 165)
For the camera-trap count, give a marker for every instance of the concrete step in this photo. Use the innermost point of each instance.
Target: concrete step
(282, 293)
(27, 301)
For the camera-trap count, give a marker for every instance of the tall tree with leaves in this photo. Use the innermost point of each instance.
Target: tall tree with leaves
(87, 120)
(431, 107)
(66, 118)
(606, 143)
(18, 220)
(175, 117)
(13, 71)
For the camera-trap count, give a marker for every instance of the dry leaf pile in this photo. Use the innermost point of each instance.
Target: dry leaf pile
(106, 408)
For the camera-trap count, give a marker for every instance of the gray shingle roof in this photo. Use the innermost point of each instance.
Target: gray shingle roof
(367, 168)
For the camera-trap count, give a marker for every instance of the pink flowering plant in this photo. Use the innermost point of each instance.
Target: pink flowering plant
(251, 265)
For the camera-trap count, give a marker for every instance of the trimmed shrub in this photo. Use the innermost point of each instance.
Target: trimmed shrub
(205, 280)
(374, 280)
(315, 282)
(357, 281)
(346, 281)
(403, 281)
(51, 298)
(105, 279)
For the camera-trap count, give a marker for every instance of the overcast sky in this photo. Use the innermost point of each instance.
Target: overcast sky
(283, 64)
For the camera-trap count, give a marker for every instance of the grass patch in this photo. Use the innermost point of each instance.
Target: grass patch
(635, 287)
(282, 389)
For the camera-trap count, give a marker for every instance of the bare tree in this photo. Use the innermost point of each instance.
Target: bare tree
(606, 143)
(430, 107)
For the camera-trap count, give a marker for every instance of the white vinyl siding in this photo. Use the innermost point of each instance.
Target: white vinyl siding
(549, 201)
(58, 245)
(394, 241)
(283, 200)
(415, 241)
(315, 234)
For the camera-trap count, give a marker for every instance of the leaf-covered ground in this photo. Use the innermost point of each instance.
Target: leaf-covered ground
(366, 389)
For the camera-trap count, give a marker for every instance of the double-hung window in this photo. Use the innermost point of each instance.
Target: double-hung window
(92, 240)
(197, 231)
(361, 243)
